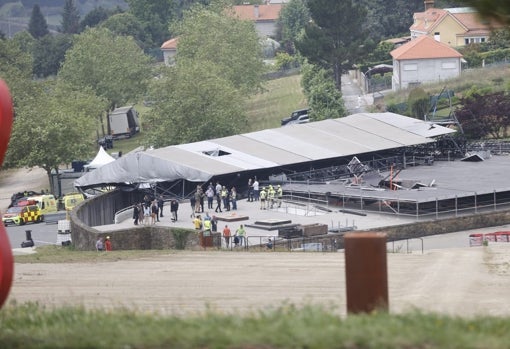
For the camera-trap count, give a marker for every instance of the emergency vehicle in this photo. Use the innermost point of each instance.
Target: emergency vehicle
(47, 203)
(20, 215)
(71, 200)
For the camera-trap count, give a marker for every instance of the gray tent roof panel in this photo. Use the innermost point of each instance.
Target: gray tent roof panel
(418, 127)
(283, 139)
(347, 139)
(195, 159)
(260, 149)
(198, 162)
(225, 159)
(383, 130)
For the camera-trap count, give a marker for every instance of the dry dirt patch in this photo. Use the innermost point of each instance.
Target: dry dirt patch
(18, 180)
(454, 282)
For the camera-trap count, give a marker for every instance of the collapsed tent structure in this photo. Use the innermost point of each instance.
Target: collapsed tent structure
(177, 169)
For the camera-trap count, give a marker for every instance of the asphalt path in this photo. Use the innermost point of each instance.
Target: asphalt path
(42, 234)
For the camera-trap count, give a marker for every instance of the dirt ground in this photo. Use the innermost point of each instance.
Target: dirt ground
(464, 282)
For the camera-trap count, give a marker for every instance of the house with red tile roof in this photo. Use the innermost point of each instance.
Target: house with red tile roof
(453, 26)
(169, 49)
(264, 16)
(424, 60)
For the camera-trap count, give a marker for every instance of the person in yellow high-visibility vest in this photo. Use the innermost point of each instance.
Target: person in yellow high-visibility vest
(270, 196)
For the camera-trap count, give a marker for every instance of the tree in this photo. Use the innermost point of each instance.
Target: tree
(155, 17)
(70, 18)
(324, 100)
(49, 53)
(96, 17)
(37, 26)
(419, 103)
(16, 70)
(114, 67)
(54, 126)
(335, 38)
(194, 102)
(292, 20)
(389, 18)
(485, 115)
(126, 24)
(232, 45)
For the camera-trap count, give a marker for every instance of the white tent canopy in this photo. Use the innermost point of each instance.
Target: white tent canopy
(272, 148)
(102, 158)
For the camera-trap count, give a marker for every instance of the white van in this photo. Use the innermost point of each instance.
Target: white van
(47, 203)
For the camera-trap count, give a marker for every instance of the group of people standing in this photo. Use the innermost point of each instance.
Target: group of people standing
(225, 198)
(150, 210)
(271, 197)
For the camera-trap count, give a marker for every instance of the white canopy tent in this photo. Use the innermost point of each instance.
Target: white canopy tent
(102, 158)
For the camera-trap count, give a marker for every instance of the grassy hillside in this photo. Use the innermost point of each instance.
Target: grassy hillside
(281, 97)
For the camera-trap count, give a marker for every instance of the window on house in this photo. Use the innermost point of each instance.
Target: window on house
(448, 65)
(410, 67)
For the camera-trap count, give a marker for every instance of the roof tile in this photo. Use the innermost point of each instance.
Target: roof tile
(424, 48)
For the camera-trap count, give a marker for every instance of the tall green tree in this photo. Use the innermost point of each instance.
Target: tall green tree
(335, 38)
(112, 66)
(37, 27)
(389, 18)
(155, 15)
(70, 18)
(16, 70)
(324, 100)
(49, 53)
(62, 127)
(126, 24)
(229, 43)
(97, 16)
(292, 20)
(193, 102)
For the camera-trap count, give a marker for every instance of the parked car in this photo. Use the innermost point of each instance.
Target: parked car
(20, 215)
(297, 117)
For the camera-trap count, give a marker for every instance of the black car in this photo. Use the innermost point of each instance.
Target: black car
(297, 117)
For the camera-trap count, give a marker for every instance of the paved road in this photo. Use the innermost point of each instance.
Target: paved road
(354, 98)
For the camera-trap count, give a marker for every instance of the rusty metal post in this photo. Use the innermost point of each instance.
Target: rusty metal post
(366, 274)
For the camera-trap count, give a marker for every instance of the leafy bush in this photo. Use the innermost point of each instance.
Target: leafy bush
(180, 238)
(419, 103)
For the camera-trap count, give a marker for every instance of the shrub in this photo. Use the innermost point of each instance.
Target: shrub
(180, 238)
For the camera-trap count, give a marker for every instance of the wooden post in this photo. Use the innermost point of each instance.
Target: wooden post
(366, 272)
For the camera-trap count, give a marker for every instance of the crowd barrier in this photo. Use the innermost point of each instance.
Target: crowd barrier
(480, 239)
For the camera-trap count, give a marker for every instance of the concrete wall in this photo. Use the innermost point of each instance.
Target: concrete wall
(101, 209)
